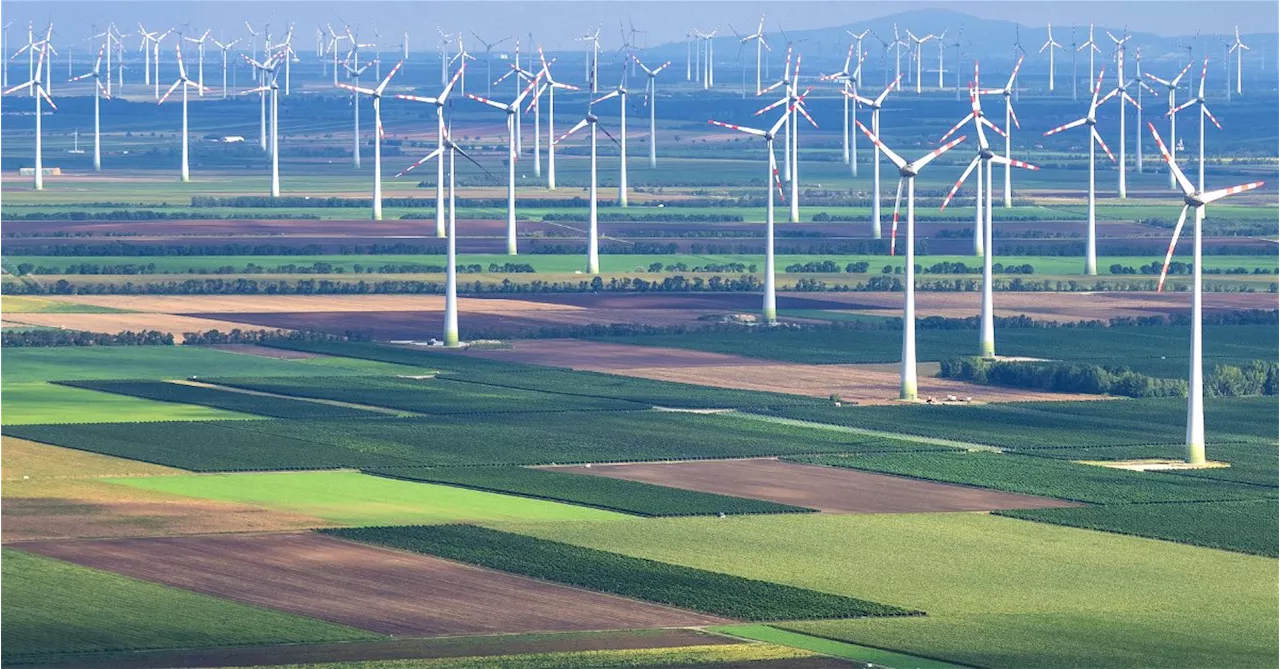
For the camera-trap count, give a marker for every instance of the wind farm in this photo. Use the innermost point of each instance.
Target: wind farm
(338, 359)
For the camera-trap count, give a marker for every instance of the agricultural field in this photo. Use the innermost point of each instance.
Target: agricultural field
(352, 498)
(706, 591)
(186, 393)
(1112, 604)
(626, 496)
(56, 608)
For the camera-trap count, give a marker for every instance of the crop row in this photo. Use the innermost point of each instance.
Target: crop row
(260, 405)
(1242, 526)
(1047, 477)
(491, 439)
(642, 499)
(709, 592)
(424, 395)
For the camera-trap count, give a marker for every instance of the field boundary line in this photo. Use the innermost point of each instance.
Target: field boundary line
(932, 441)
(398, 413)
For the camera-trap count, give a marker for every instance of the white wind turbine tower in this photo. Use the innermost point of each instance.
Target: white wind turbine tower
(770, 309)
(1050, 45)
(1204, 112)
(709, 62)
(98, 91)
(1010, 122)
(758, 38)
(876, 104)
(441, 139)
(593, 229)
(442, 47)
(1092, 46)
(39, 93)
(907, 173)
(155, 58)
(1172, 85)
(462, 56)
(376, 95)
(1138, 81)
(200, 58)
(592, 41)
(941, 46)
(270, 74)
(986, 334)
(1194, 198)
(975, 112)
(919, 46)
(451, 262)
(1121, 90)
(284, 51)
(334, 39)
(786, 129)
(225, 48)
(650, 96)
(488, 60)
(897, 45)
(849, 89)
(185, 82)
(145, 48)
(795, 102)
(354, 74)
(551, 86)
(1090, 120)
(253, 40)
(1238, 48)
(511, 110)
(619, 92)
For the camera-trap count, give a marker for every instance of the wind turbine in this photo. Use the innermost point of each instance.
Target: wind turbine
(30, 47)
(986, 336)
(1010, 121)
(941, 46)
(1091, 121)
(977, 115)
(284, 50)
(253, 39)
(551, 87)
(907, 173)
(786, 129)
(593, 55)
(1239, 48)
(354, 73)
(98, 91)
(442, 139)
(758, 38)
(442, 46)
(1204, 112)
(511, 110)
(875, 104)
(849, 84)
(36, 84)
(334, 39)
(155, 57)
(376, 95)
(794, 99)
(1050, 45)
(1194, 198)
(619, 92)
(709, 80)
(651, 99)
(919, 44)
(770, 309)
(1092, 46)
(185, 82)
(488, 61)
(593, 231)
(1122, 91)
(451, 262)
(270, 73)
(200, 60)
(225, 48)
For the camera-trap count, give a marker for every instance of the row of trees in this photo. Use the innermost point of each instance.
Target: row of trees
(51, 337)
(1256, 378)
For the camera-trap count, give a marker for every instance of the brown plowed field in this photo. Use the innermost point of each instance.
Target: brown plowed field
(366, 587)
(831, 489)
(406, 649)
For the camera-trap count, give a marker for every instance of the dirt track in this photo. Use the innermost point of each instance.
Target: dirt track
(829, 489)
(370, 588)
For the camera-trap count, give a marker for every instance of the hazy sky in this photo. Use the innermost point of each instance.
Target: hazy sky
(555, 22)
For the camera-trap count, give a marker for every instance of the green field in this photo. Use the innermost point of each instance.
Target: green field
(54, 607)
(424, 396)
(1153, 350)
(999, 592)
(642, 499)
(272, 407)
(498, 439)
(12, 304)
(351, 498)
(710, 592)
(872, 656)
(29, 398)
